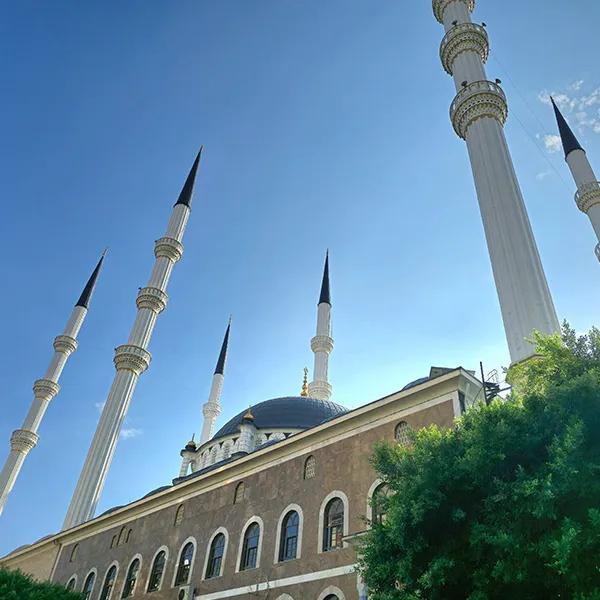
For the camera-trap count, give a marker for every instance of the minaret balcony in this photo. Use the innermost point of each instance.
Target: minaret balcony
(587, 196)
(167, 247)
(439, 7)
(464, 37)
(321, 343)
(152, 298)
(65, 344)
(132, 358)
(475, 101)
(23, 440)
(45, 389)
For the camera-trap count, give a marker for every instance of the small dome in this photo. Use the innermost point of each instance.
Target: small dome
(290, 412)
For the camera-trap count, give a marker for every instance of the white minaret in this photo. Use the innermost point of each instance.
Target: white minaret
(24, 439)
(587, 196)
(478, 114)
(212, 408)
(131, 360)
(322, 343)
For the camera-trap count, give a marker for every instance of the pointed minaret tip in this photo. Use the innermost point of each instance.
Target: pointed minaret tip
(220, 368)
(325, 295)
(569, 141)
(88, 290)
(187, 192)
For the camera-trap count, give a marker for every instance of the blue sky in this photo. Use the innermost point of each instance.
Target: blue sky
(325, 124)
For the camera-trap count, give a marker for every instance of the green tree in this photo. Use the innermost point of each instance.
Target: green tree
(15, 585)
(506, 504)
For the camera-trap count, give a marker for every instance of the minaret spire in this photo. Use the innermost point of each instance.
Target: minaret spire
(569, 141)
(212, 407)
(478, 113)
(322, 343)
(25, 439)
(587, 196)
(131, 360)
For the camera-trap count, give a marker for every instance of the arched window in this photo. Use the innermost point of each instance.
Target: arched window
(179, 515)
(185, 564)
(131, 578)
(402, 433)
(88, 586)
(250, 547)
(128, 537)
(74, 553)
(331, 597)
(310, 466)
(113, 542)
(379, 503)
(156, 574)
(109, 583)
(121, 539)
(215, 557)
(288, 543)
(71, 583)
(240, 490)
(333, 526)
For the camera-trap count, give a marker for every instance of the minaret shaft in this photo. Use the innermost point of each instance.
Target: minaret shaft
(478, 114)
(25, 439)
(212, 408)
(131, 360)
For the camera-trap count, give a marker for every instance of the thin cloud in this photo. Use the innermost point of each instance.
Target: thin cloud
(541, 176)
(100, 406)
(581, 110)
(130, 432)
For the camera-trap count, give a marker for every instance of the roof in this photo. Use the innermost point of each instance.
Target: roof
(325, 295)
(88, 290)
(187, 192)
(289, 412)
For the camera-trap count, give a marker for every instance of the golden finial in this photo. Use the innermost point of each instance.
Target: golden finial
(304, 392)
(248, 416)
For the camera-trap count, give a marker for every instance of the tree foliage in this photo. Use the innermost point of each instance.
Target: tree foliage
(15, 585)
(507, 504)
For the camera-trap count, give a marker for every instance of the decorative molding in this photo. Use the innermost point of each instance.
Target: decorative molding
(321, 343)
(464, 37)
(167, 247)
(132, 358)
(588, 195)
(65, 344)
(23, 440)
(439, 7)
(152, 298)
(45, 389)
(476, 101)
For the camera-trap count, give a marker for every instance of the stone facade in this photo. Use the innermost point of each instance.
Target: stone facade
(273, 480)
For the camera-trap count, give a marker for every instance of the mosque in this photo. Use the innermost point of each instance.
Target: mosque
(271, 504)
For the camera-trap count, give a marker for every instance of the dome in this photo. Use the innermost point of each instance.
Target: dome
(290, 412)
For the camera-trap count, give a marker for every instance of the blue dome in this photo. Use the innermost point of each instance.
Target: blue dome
(291, 412)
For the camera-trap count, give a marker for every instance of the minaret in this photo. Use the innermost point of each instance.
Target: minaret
(131, 360)
(478, 114)
(23, 440)
(212, 408)
(322, 343)
(587, 196)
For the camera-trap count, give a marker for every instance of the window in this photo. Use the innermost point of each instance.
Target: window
(88, 586)
(379, 503)
(128, 535)
(402, 433)
(113, 542)
(131, 578)
(333, 525)
(240, 490)
(74, 553)
(310, 466)
(215, 557)
(288, 543)
(158, 568)
(250, 547)
(185, 564)
(331, 597)
(179, 515)
(109, 582)
(71, 583)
